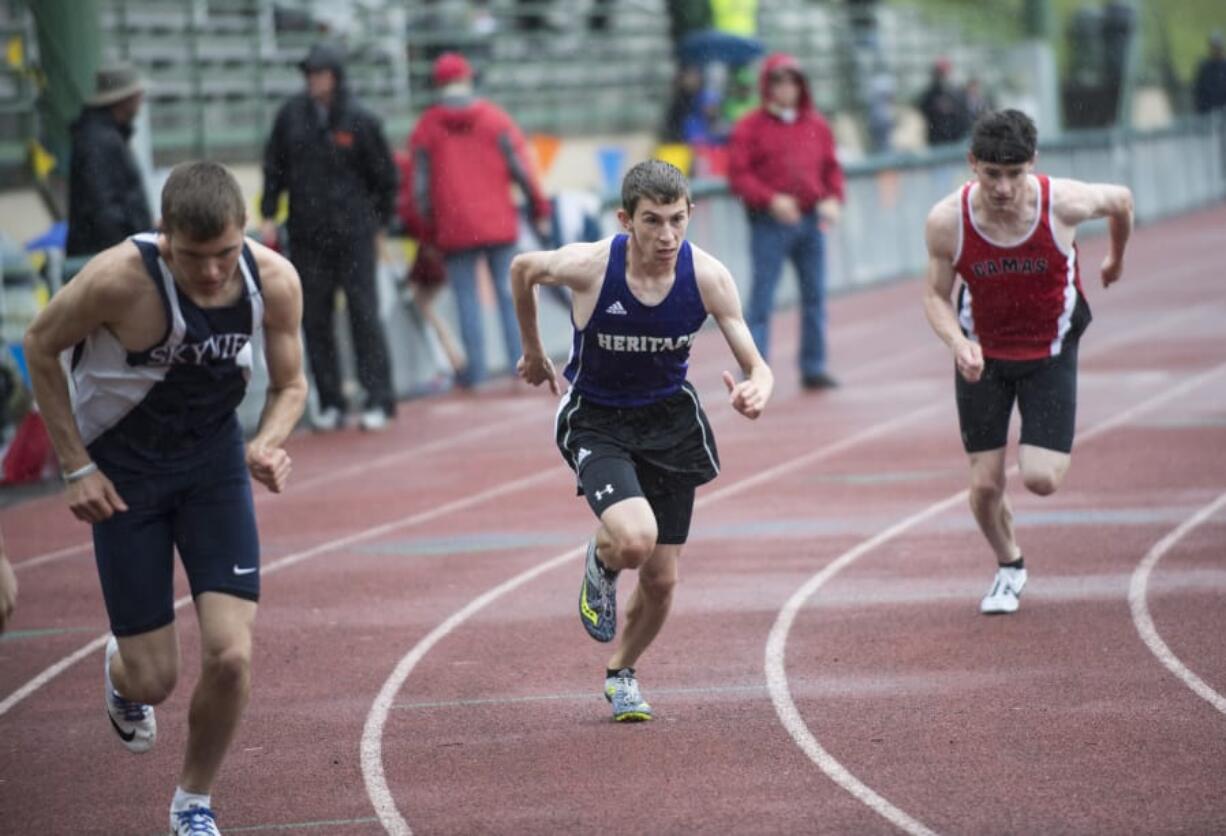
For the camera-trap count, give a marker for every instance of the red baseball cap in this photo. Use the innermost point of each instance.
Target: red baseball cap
(451, 67)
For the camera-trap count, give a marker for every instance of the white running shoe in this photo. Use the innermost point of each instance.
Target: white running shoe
(328, 420)
(133, 721)
(373, 420)
(1005, 592)
(194, 821)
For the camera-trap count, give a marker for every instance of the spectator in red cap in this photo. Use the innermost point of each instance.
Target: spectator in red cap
(466, 153)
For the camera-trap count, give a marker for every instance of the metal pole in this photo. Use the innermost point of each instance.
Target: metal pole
(197, 99)
(1038, 18)
(70, 49)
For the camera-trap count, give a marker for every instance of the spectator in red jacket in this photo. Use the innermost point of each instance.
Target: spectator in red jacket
(466, 154)
(782, 165)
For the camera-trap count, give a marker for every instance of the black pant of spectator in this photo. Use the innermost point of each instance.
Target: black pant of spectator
(351, 266)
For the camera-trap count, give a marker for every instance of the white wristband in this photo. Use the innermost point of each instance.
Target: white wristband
(80, 473)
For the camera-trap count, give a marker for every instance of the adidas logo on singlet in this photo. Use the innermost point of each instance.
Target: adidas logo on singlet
(616, 308)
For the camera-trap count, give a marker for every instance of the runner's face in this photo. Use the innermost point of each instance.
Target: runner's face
(658, 228)
(1004, 186)
(206, 267)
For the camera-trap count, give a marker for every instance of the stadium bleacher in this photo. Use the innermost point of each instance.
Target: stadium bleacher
(221, 67)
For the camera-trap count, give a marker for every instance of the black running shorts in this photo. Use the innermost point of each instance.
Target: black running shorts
(661, 452)
(1046, 395)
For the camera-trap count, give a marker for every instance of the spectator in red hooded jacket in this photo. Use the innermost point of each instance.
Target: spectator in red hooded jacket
(782, 165)
(466, 154)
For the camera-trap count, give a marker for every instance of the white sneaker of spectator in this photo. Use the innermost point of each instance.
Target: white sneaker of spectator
(328, 420)
(374, 419)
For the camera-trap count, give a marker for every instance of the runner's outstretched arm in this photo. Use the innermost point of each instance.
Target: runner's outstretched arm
(719, 294)
(1075, 202)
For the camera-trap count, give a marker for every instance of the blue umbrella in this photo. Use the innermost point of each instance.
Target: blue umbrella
(712, 45)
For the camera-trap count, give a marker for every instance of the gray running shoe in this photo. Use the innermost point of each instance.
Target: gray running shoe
(134, 722)
(622, 691)
(598, 598)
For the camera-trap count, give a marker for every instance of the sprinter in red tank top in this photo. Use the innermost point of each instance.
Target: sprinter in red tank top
(1008, 234)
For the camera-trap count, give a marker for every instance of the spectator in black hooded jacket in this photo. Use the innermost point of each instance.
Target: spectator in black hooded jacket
(106, 195)
(1210, 89)
(331, 156)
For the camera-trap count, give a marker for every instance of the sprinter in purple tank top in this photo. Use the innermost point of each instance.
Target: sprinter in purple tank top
(630, 424)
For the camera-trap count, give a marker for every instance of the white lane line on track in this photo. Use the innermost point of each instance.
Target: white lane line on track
(776, 643)
(372, 734)
(1138, 590)
(359, 469)
(289, 560)
(577, 696)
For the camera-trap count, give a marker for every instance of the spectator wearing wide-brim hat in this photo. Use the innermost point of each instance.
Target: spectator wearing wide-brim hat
(114, 83)
(106, 193)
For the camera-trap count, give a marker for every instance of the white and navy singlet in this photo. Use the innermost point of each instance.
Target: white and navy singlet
(169, 399)
(631, 354)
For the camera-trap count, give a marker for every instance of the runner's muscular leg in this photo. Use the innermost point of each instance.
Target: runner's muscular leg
(1043, 470)
(627, 534)
(146, 667)
(225, 684)
(649, 605)
(990, 505)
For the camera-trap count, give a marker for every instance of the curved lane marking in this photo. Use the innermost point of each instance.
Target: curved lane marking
(776, 644)
(372, 735)
(1137, 592)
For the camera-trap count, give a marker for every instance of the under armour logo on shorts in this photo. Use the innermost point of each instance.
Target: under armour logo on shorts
(603, 492)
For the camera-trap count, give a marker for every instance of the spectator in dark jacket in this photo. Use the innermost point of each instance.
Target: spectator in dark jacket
(944, 106)
(1210, 92)
(466, 154)
(782, 165)
(331, 156)
(106, 194)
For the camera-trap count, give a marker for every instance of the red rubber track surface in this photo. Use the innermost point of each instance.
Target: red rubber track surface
(1059, 719)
